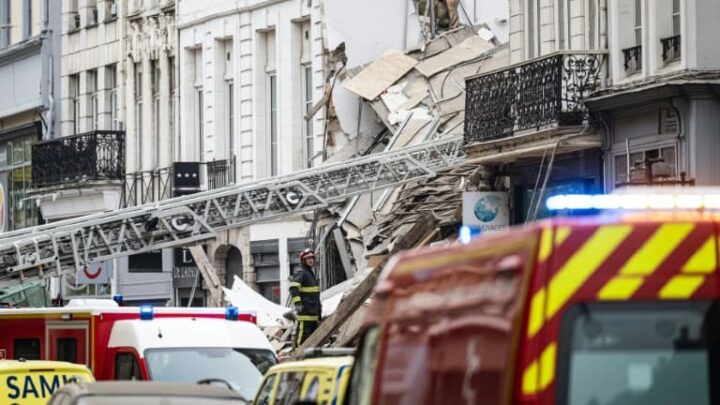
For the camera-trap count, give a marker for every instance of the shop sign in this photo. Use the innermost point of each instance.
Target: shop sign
(486, 210)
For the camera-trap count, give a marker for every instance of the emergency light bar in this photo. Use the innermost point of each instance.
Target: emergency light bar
(147, 312)
(694, 199)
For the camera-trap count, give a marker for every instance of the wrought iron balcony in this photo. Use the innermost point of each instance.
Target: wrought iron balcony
(155, 185)
(93, 156)
(533, 94)
(219, 173)
(633, 59)
(671, 49)
(147, 186)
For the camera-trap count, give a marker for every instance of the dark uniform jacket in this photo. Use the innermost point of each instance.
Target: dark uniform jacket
(305, 290)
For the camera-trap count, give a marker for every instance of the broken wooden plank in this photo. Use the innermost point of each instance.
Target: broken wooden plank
(209, 275)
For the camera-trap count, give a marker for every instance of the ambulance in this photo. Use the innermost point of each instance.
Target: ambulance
(34, 382)
(142, 343)
(618, 308)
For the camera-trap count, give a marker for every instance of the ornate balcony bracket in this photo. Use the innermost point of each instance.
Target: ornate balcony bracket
(543, 91)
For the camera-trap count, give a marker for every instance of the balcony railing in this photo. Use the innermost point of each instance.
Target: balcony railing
(529, 95)
(147, 186)
(633, 59)
(219, 173)
(671, 49)
(156, 185)
(93, 156)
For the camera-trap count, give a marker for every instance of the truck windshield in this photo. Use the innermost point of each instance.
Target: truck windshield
(640, 353)
(243, 369)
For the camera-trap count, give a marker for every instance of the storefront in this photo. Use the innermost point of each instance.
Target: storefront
(16, 176)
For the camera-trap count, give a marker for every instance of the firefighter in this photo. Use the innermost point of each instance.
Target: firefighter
(305, 292)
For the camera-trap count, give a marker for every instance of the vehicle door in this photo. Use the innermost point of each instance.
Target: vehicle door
(68, 341)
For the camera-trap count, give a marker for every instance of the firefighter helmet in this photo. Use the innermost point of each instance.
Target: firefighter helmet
(307, 253)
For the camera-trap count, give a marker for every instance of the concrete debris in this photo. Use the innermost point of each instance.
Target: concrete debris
(418, 96)
(468, 50)
(381, 74)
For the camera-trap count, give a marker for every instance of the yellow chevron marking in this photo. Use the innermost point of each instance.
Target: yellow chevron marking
(540, 373)
(583, 264)
(547, 366)
(561, 234)
(703, 261)
(530, 379)
(656, 249)
(545, 244)
(537, 309)
(681, 287)
(620, 288)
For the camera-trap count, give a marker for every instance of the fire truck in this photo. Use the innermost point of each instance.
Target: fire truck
(619, 308)
(142, 343)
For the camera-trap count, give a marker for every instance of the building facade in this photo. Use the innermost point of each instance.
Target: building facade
(117, 88)
(29, 108)
(661, 112)
(249, 72)
(527, 123)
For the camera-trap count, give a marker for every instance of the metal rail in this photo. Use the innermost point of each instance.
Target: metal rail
(57, 248)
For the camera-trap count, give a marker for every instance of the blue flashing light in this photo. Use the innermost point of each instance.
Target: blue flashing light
(232, 313)
(468, 233)
(118, 298)
(147, 312)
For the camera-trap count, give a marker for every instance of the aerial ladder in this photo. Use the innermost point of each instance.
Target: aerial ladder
(64, 247)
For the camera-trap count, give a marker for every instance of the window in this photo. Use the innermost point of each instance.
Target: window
(271, 94)
(274, 163)
(155, 69)
(75, 92)
(139, 107)
(200, 121)
(110, 9)
(148, 262)
(27, 18)
(231, 118)
(171, 118)
(67, 349)
(639, 353)
(5, 23)
(308, 104)
(289, 387)
(638, 22)
(592, 24)
(266, 261)
(138, 81)
(92, 84)
(676, 17)
(127, 367)
(531, 31)
(562, 35)
(362, 375)
(662, 161)
(111, 80)
(263, 397)
(18, 156)
(243, 369)
(28, 349)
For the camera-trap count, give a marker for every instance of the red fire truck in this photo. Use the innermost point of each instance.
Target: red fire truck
(615, 309)
(142, 343)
